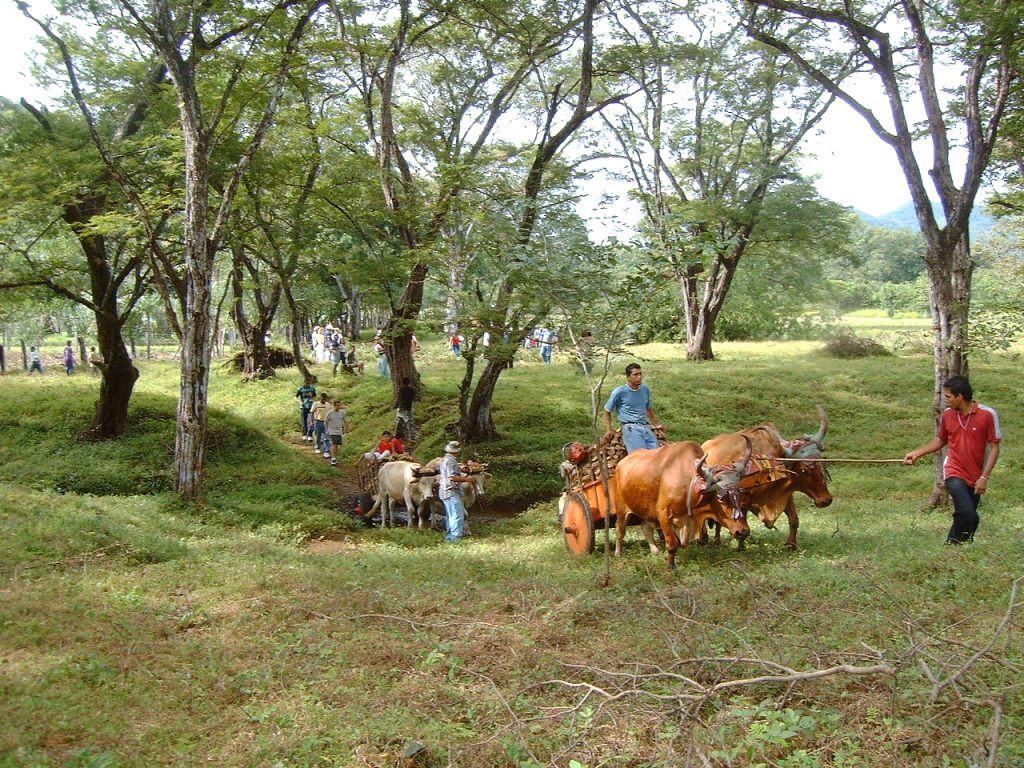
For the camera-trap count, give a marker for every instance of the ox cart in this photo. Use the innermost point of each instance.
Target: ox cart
(584, 503)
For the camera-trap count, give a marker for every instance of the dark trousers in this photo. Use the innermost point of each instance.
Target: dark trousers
(965, 510)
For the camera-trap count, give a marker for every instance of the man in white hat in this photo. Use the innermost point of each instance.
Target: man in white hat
(450, 492)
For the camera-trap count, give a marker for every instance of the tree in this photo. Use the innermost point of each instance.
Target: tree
(434, 86)
(186, 40)
(108, 275)
(705, 164)
(909, 48)
(584, 97)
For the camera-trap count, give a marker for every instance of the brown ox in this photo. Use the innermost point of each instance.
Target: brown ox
(771, 499)
(667, 486)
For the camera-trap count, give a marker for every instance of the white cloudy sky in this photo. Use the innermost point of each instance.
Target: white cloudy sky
(853, 166)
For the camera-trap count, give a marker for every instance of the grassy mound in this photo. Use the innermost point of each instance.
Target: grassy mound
(137, 631)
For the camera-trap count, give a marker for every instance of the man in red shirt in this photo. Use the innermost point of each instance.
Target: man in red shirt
(972, 432)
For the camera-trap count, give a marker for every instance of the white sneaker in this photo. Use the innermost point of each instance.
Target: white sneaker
(334, 462)
(327, 454)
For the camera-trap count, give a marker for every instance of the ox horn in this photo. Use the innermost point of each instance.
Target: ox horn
(746, 457)
(819, 436)
(708, 475)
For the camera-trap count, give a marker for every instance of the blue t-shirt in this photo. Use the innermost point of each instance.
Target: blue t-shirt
(631, 405)
(306, 395)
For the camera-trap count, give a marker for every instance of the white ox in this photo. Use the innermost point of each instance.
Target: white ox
(396, 482)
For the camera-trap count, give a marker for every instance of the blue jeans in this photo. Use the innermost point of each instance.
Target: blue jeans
(638, 436)
(319, 436)
(306, 422)
(383, 367)
(545, 353)
(455, 517)
(965, 510)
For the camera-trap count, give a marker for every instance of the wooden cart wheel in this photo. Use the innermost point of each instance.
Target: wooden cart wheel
(578, 525)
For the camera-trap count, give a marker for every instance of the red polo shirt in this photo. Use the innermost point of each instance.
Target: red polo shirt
(967, 438)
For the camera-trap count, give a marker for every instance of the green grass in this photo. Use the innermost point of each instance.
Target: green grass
(138, 631)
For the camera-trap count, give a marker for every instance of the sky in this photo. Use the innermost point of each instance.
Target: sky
(854, 167)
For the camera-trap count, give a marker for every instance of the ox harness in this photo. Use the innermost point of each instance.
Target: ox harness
(733, 483)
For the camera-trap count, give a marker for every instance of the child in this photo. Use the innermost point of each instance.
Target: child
(37, 363)
(387, 447)
(319, 413)
(335, 422)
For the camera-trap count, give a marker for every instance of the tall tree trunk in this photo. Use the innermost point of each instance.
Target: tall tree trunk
(949, 300)
(193, 409)
(478, 423)
(399, 329)
(254, 333)
(298, 330)
(116, 386)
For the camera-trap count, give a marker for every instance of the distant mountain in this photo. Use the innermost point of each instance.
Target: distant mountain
(905, 218)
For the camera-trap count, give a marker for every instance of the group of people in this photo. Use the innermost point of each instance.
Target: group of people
(969, 430)
(543, 339)
(95, 360)
(323, 421)
(328, 345)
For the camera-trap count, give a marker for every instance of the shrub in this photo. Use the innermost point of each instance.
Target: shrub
(846, 345)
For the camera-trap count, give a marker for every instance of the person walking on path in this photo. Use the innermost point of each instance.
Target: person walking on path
(335, 423)
(449, 491)
(547, 342)
(318, 413)
(306, 395)
(404, 424)
(36, 361)
(69, 358)
(383, 366)
(337, 346)
(632, 403)
(973, 435)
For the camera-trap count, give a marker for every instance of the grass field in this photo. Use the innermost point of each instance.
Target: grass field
(137, 631)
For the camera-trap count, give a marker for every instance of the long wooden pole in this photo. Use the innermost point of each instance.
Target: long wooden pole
(845, 461)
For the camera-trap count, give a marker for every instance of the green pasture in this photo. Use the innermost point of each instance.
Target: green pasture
(265, 629)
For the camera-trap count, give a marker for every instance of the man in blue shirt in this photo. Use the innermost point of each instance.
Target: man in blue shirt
(632, 403)
(450, 492)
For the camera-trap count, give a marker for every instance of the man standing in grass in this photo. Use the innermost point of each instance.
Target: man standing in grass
(334, 423)
(319, 412)
(972, 432)
(306, 395)
(450, 493)
(69, 358)
(632, 404)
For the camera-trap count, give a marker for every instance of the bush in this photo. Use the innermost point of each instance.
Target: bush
(847, 345)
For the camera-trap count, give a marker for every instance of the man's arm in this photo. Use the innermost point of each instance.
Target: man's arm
(936, 444)
(652, 419)
(608, 431)
(993, 456)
